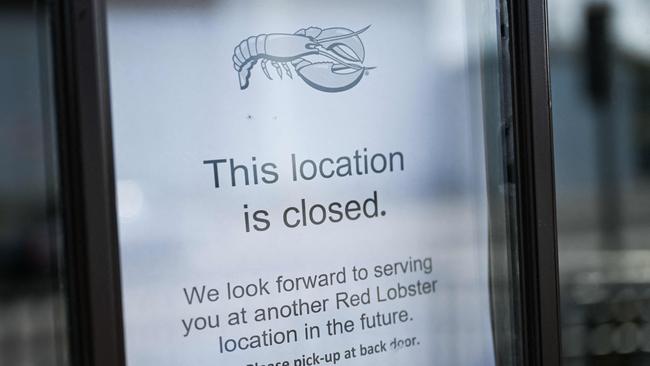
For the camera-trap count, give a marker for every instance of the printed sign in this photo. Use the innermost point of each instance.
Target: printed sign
(323, 204)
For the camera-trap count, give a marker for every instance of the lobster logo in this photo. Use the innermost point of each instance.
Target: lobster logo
(329, 60)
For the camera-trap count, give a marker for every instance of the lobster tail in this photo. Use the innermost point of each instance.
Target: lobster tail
(245, 73)
(245, 56)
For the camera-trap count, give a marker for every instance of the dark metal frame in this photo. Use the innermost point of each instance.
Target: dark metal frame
(534, 171)
(87, 183)
(86, 159)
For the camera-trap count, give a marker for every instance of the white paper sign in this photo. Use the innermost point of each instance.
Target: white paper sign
(299, 183)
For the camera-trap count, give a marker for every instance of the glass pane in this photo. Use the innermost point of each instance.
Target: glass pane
(310, 181)
(32, 308)
(600, 70)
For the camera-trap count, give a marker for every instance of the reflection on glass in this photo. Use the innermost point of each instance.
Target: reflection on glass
(32, 312)
(600, 71)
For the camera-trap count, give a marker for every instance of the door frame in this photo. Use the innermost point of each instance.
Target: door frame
(535, 176)
(87, 184)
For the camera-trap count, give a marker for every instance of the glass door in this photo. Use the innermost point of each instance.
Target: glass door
(307, 182)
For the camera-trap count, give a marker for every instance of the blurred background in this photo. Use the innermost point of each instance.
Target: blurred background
(32, 312)
(600, 84)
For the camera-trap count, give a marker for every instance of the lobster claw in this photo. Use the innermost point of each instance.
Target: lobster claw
(349, 48)
(328, 76)
(343, 42)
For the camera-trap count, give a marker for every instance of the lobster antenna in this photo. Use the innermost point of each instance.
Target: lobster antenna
(343, 36)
